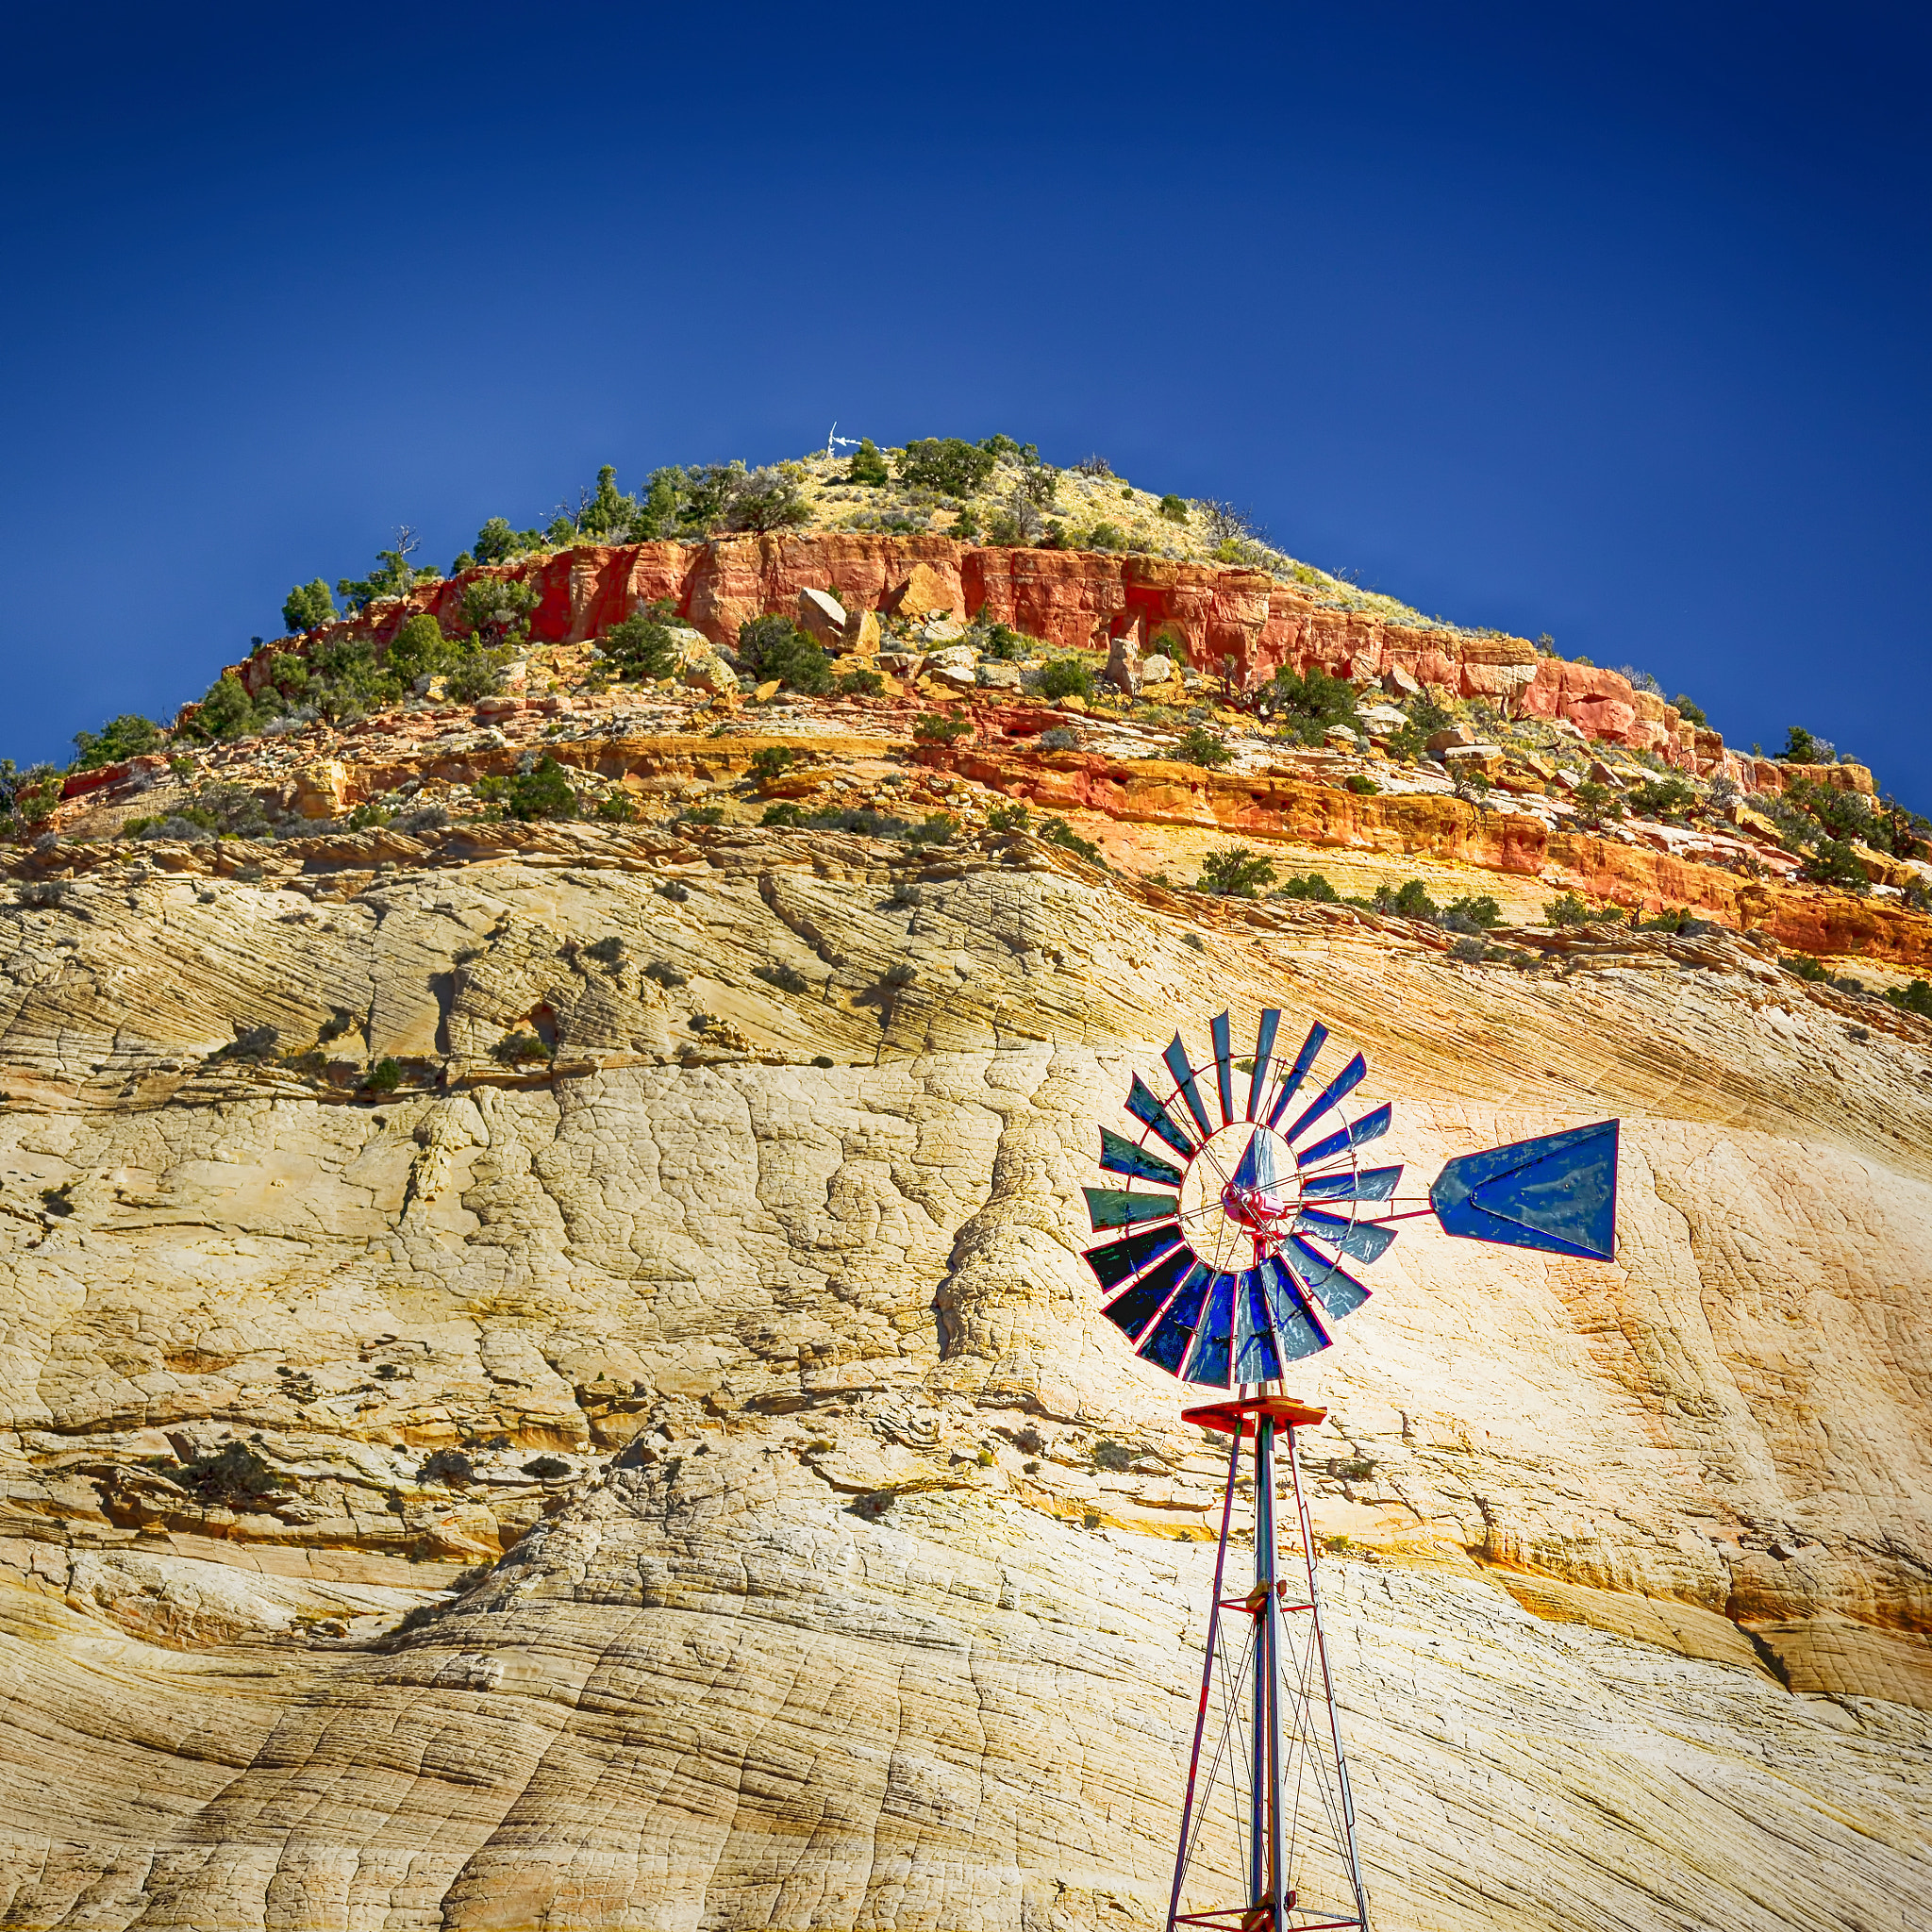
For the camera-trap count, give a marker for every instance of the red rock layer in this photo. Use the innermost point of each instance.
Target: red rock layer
(1239, 622)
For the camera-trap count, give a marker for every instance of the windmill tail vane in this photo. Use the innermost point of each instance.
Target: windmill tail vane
(1228, 1226)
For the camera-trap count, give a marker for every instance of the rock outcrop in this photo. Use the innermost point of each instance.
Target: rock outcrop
(722, 1388)
(1244, 623)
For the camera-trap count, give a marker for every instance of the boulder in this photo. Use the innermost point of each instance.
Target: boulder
(822, 616)
(1382, 721)
(321, 790)
(1462, 759)
(710, 672)
(1399, 682)
(926, 594)
(861, 633)
(1341, 738)
(995, 676)
(1157, 668)
(1124, 662)
(1447, 739)
(958, 664)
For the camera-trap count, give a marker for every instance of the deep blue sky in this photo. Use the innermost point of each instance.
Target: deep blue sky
(1605, 321)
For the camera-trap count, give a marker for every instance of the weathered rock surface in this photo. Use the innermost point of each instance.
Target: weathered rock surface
(773, 1577)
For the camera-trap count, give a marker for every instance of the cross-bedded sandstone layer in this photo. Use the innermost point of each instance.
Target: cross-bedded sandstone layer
(788, 1543)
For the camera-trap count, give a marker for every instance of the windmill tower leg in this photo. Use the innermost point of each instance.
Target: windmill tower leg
(1290, 1758)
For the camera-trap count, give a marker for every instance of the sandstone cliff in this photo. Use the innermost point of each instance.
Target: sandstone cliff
(794, 1547)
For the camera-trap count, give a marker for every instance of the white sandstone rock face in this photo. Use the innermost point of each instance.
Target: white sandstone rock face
(737, 1417)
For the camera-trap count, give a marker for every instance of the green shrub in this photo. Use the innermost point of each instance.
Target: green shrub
(1311, 886)
(495, 609)
(394, 576)
(1595, 803)
(1658, 798)
(1056, 831)
(643, 647)
(126, 737)
(307, 608)
(934, 728)
(518, 1049)
(935, 829)
(546, 1468)
(1472, 915)
(1309, 703)
(1010, 817)
(1410, 900)
(771, 761)
(617, 809)
(1235, 873)
(858, 684)
(772, 647)
(698, 815)
(1106, 537)
(946, 464)
(542, 793)
(420, 648)
(1197, 745)
(1801, 748)
(234, 1474)
(785, 812)
(1691, 713)
(1362, 784)
(765, 499)
(1832, 862)
(1000, 642)
(478, 675)
(1066, 678)
(385, 1077)
(868, 466)
(226, 711)
(965, 526)
(1174, 509)
(1567, 909)
(450, 1467)
(1915, 998)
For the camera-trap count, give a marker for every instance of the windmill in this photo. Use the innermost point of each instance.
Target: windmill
(1225, 1251)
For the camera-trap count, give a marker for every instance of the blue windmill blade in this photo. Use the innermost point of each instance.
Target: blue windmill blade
(1557, 1193)
(1212, 1359)
(1371, 1126)
(1176, 1059)
(1114, 1262)
(1298, 1330)
(1112, 1208)
(1118, 1154)
(1344, 1083)
(1223, 1067)
(1257, 1358)
(1367, 1242)
(1264, 1051)
(1133, 1311)
(1372, 1184)
(1166, 1344)
(1326, 1282)
(1292, 1080)
(1145, 1109)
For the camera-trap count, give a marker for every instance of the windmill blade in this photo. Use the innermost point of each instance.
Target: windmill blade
(1343, 1083)
(1371, 1126)
(1223, 1067)
(1264, 1051)
(1368, 1243)
(1213, 1353)
(1177, 1060)
(1298, 1332)
(1256, 1357)
(1113, 1262)
(1338, 1291)
(1166, 1346)
(1118, 1154)
(1132, 1311)
(1110, 1208)
(1142, 1104)
(1557, 1193)
(1372, 1184)
(1292, 1080)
